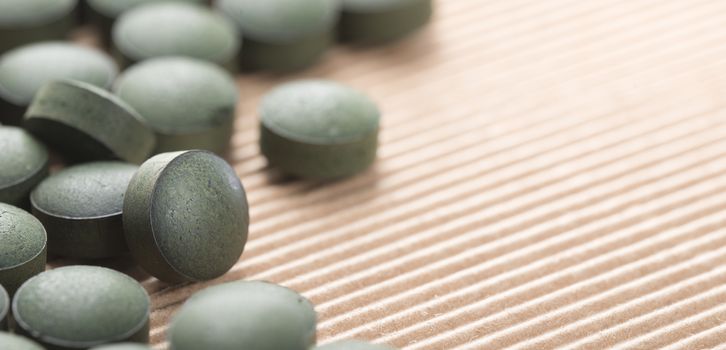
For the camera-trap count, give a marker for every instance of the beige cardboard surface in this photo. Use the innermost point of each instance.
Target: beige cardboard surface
(552, 174)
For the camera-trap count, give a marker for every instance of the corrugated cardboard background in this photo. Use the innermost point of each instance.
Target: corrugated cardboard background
(550, 174)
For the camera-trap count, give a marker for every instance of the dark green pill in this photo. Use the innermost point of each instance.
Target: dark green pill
(186, 216)
(382, 21)
(81, 209)
(23, 71)
(103, 13)
(23, 164)
(122, 346)
(78, 307)
(189, 103)
(26, 21)
(353, 345)
(22, 247)
(10, 341)
(282, 34)
(244, 315)
(85, 122)
(4, 308)
(319, 129)
(175, 29)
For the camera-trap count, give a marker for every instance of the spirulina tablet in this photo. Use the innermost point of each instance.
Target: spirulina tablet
(22, 247)
(318, 129)
(189, 103)
(175, 29)
(282, 34)
(103, 13)
(122, 346)
(78, 307)
(26, 21)
(81, 208)
(23, 164)
(244, 315)
(85, 122)
(24, 70)
(4, 308)
(186, 216)
(353, 345)
(382, 21)
(15, 342)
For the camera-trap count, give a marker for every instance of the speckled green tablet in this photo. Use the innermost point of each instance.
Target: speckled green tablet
(81, 209)
(186, 216)
(122, 346)
(189, 103)
(23, 164)
(22, 247)
(15, 342)
(78, 307)
(282, 34)
(176, 29)
(244, 315)
(318, 129)
(26, 21)
(382, 21)
(85, 122)
(353, 345)
(4, 308)
(23, 71)
(103, 13)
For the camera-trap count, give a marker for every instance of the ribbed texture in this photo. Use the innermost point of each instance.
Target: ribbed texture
(551, 174)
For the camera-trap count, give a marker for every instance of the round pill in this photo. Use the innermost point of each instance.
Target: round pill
(78, 307)
(26, 21)
(186, 216)
(4, 308)
(103, 13)
(23, 164)
(282, 34)
(176, 29)
(22, 247)
(81, 208)
(15, 342)
(23, 71)
(244, 315)
(382, 21)
(85, 122)
(122, 346)
(189, 103)
(353, 345)
(318, 129)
